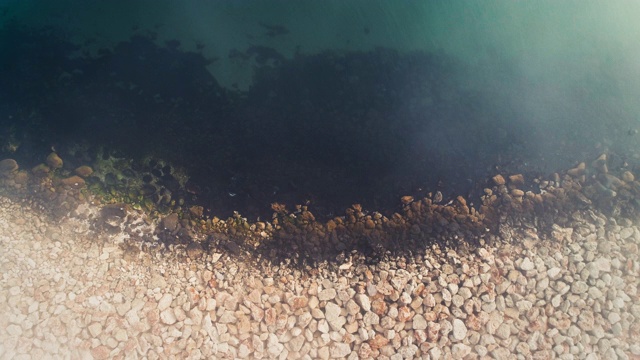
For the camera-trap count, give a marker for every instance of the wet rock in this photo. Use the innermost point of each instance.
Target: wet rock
(194, 250)
(170, 222)
(41, 170)
(628, 176)
(516, 179)
(83, 171)
(54, 161)
(196, 211)
(498, 180)
(74, 182)
(7, 166)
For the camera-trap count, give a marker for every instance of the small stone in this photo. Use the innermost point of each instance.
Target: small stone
(459, 329)
(554, 273)
(165, 302)
(100, 352)
(170, 222)
(459, 351)
(7, 166)
(54, 161)
(363, 301)
(331, 312)
(327, 294)
(95, 329)
(503, 332)
(499, 180)
(339, 350)
(194, 250)
(74, 182)
(579, 287)
(299, 302)
(168, 317)
(419, 322)
(371, 318)
(83, 171)
(527, 265)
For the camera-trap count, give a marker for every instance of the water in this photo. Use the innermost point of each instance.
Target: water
(332, 103)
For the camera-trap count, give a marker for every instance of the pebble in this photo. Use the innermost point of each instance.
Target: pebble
(168, 317)
(459, 330)
(527, 264)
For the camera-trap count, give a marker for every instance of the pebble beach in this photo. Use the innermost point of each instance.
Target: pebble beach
(70, 291)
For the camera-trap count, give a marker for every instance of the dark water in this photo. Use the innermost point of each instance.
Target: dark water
(319, 103)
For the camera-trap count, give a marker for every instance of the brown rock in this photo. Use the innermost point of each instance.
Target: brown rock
(498, 180)
(54, 161)
(196, 211)
(369, 224)
(7, 166)
(627, 176)
(517, 193)
(299, 302)
(83, 171)
(41, 170)
(74, 182)
(21, 177)
(379, 307)
(170, 222)
(194, 250)
(406, 200)
(516, 179)
(378, 342)
(100, 352)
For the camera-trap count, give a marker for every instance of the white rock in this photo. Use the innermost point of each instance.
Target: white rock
(363, 301)
(165, 302)
(331, 311)
(327, 294)
(339, 350)
(459, 330)
(419, 322)
(459, 351)
(527, 265)
(168, 317)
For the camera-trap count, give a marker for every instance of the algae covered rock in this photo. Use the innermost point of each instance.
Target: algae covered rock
(41, 170)
(54, 161)
(74, 182)
(83, 171)
(7, 166)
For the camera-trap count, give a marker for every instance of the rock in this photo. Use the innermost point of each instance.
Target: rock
(339, 350)
(327, 294)
(579, 287)
(194, 250)
(527, 265)
(363, 301)
(503, 332)
(627, 176)
(74, 182)
(7, 166)
(165, 302)
(331, 312)
(419, 322)
(196, 210)
(83, 171)
(459, 351)
(274, 347)
(371, 318)
(54, 161)
(459, 329)
(169, 222)
(40, 170)
(498, 180)
(100, 352)
(95, 329)
(168, 317)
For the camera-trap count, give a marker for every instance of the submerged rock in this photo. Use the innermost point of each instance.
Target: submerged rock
(7, 166)
(84, 171)
(54, 161)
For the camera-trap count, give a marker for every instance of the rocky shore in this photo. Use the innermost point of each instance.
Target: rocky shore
(548, 282)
